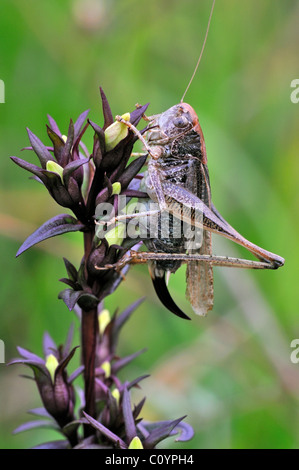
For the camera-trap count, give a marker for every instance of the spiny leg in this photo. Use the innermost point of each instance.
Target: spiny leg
(138, 134)
(135, 257)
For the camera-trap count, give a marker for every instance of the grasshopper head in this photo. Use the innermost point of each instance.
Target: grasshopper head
(178, 126)
(178, 120)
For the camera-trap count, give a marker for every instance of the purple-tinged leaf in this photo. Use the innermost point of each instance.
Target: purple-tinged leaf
(19, 360)
(58, 225)
(36, 178)
(159, 431)
(53, 179)
(136, 115)
(115, 281)
(81, 396)
(53, 125)
(131, 171)
(101, 388)
(74, 191)
(128, 416)
(99, 143)
(98, 148)
(134, 193)
(75, 374)
(108, 117)
(71, 270)
(120, 363)
(36, 170)
(71, 167)
(77, 311)
(34, 425)
(135, 183)
(58, 143)
(113, 408)
(81, 273)
(40, 149)
(138, 408)
(40, 412)
(135, 383)
(62, 365)
(84, 149)
(98, 130)
(185, 430)
(71, 428)
(90, 443)
(78, 140)
(29, 355)
(70, 297)
(68, 282)
(48, 147)
(79, 123)
(69, 339)
(118, 156)
(41, 374)
(24, 376)
(57, 190)
(109, 434)
(68, 145)
(52, 445)
(49, 346)
(124, 317)
(142, 429)
(102, 196)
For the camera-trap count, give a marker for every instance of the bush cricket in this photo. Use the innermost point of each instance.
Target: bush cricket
(177, 179)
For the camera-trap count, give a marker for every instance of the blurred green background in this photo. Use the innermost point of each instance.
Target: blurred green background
(231, 372)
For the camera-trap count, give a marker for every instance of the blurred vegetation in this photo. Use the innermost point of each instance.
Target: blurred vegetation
(230, 372)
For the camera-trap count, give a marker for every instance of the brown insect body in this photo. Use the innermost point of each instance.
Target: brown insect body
(178, 139)
(178, 179)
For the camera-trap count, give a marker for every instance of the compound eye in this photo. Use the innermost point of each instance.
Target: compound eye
(181, 121)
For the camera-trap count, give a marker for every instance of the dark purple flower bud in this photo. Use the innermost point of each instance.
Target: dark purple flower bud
(98, 257)
(58, 144)
(66, 154)
(79, 123)
(131, 171)
(40, 149)
(108, 117)
(56, 392)
(53, 125)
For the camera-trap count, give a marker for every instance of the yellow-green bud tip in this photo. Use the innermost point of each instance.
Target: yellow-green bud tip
(116, 132)
(115, 393)
(106, 366)
(116, 188)
(51, 365)
(104, 320)
(135, 443)
(53, 166)
(116, 235)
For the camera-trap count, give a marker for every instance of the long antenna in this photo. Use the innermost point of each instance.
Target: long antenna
(201, 52)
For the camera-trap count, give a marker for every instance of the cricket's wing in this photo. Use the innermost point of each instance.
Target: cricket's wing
(199, 274)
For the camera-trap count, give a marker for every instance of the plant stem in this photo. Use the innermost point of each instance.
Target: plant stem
(89, 331)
